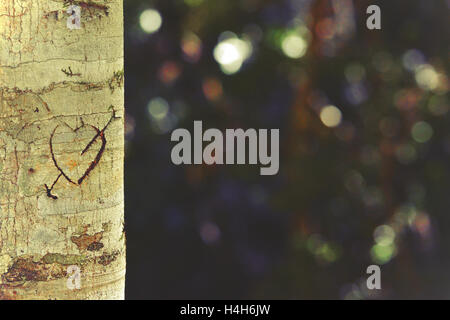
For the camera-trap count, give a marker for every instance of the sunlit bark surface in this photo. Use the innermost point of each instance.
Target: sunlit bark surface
(61, 150)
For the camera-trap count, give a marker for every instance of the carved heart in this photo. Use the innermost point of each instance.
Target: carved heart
(76, 152)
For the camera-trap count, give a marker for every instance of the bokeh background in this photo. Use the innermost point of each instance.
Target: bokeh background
(364, 147)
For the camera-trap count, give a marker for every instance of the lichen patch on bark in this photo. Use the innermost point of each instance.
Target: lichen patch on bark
(88, 242)
(25, 269)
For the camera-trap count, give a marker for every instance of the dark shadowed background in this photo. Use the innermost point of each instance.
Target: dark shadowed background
(364, 147)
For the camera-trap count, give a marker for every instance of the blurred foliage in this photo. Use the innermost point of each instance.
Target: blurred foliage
(365, 144)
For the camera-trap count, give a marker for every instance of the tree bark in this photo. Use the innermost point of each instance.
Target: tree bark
(61, 149)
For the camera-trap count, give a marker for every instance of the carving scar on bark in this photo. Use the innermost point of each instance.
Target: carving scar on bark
(69, 161)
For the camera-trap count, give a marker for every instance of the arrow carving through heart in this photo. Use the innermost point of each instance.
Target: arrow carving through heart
(63, 172)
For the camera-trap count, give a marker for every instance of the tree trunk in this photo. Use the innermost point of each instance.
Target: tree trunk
(61, 149)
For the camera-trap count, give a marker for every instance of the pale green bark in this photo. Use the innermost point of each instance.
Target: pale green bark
(61, 150)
